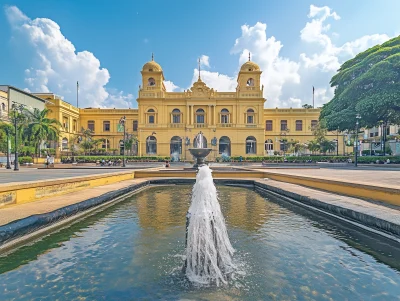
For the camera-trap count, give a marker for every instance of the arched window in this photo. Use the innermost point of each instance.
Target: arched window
(250, 82)
(151, 82)
(200, 116)
(251, 145)
(176, 116)
(250, 116)
(225, 145)
(150, 111)
(3, 106)
(224, 116)
(64, 144)
(269, 145)
(175, 147)
(151, 145)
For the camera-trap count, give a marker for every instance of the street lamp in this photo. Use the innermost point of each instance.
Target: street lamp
(16, 107)
(356, 141)
(122, 122)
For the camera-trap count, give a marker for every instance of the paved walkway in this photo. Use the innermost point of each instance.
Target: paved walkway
(390, 214)
(382, 178)
(18, 211)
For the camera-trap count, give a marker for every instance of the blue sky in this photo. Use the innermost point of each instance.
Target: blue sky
(50, 45)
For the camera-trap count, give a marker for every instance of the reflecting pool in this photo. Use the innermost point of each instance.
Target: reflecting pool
(134, 251)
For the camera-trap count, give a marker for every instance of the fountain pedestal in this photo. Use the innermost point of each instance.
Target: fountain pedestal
(200, 154)
(200, 150)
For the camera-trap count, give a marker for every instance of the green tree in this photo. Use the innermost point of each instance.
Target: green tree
(368, 84)
(313, 146)
(41, 128)
(6, 129)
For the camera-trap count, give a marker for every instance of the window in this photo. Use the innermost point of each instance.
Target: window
(151, 111)
(74, 125)
(65, 123)
(269, 145)
(105, 144)
(268, 125)
(251, 145)
(224, 116)
(151, 119)
(250, 116)
(175, 147)
(151, 145)
(176, 116)
(371, 134)
(200, 116)
(3, 106)
(135, 126)
(250, 82)
(283, 146)
(314, 123)
(151, 82)
(151, 115)
(64, 144)
(90, 125)
(283, 125)
(299, 125)
(225, 145)
(106, 126)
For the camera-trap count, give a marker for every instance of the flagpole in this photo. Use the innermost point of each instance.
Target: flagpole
(77, 96)
(313, 97)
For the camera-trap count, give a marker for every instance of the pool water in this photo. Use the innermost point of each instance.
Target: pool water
(134, 251)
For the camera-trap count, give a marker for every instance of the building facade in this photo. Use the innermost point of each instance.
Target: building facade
(165, 123)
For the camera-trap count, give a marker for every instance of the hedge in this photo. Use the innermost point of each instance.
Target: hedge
(94, 159)
(23, 160)
(307, 159)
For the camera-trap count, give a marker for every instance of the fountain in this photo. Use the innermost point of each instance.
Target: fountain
(199, 150)
(208, 249)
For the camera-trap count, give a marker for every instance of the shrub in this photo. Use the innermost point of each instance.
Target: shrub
(50, 151)
(94, 159)
(23, 160)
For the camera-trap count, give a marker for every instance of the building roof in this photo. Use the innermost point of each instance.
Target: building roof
(250, 66)
(152, 66)
(5, 88)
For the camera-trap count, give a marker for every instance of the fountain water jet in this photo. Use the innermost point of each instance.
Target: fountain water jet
(208, 249)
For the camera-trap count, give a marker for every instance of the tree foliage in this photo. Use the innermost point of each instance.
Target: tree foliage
(368, 84)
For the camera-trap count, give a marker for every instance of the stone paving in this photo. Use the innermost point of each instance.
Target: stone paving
(382, 178)
(15, 212)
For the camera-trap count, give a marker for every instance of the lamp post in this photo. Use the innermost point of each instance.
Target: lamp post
(337, 142)
(122, 122)
(16, 107)
(356, 141)
(8, 149)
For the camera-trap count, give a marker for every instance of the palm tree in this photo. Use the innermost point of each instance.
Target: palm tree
(41, 128)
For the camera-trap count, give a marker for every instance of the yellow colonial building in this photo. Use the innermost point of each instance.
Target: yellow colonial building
(235, 123)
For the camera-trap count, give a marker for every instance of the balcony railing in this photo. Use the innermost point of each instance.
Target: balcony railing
(200, 125)
(225, 125)
(176, 125)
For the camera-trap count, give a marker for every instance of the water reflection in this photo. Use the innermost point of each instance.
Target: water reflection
(132, 251)
(159, 209)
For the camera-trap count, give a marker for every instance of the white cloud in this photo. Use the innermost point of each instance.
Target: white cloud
(57, 66)
(204, 61)
(330, 57)
(170, 86)
(215, 80)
